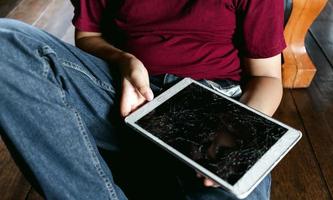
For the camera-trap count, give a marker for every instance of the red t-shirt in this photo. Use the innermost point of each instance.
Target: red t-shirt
(202, 39)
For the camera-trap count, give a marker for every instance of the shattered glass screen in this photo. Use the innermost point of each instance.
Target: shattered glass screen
(223, 137)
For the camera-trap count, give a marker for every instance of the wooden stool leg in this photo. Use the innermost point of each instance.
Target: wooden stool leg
(298, 69)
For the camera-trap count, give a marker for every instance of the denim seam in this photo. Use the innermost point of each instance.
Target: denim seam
(90, 148)
(43, 59)
(96, 81)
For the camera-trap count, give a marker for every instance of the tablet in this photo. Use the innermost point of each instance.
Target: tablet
(227, 141)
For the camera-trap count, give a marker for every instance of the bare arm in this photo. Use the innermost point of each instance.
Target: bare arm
(264, 90)
(135, 79)
(93, 42)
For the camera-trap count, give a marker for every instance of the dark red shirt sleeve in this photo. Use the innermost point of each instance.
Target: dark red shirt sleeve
(262, 27)
(87, 14)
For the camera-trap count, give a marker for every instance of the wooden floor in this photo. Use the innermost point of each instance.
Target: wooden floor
(305, 173)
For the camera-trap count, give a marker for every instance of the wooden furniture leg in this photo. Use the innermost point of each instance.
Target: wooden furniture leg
(298, 69)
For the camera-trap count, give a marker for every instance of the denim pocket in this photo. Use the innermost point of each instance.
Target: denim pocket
(99, 83)
(50, 69)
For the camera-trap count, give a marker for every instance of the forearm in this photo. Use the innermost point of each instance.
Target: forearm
(263, 91)
(263, 94)
(99, 47)
(135, 78)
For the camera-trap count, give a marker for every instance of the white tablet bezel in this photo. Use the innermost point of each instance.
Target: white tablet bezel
(254, 175)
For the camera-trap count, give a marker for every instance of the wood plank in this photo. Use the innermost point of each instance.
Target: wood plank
(325, 68)
(60, 10)
(317, 117)
(322, 30)
(7, 5)
(34, 195)
(298, 175)
(316, 108)
(41, 12)
(12, 183)
(69, 35)
(29, 10)
(320, 134)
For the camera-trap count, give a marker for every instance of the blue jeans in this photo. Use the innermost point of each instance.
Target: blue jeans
(59, 112)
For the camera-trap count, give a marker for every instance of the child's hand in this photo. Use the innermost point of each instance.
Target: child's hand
(135, 85)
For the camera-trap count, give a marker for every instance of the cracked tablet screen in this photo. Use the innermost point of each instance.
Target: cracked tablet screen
(218, 134)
